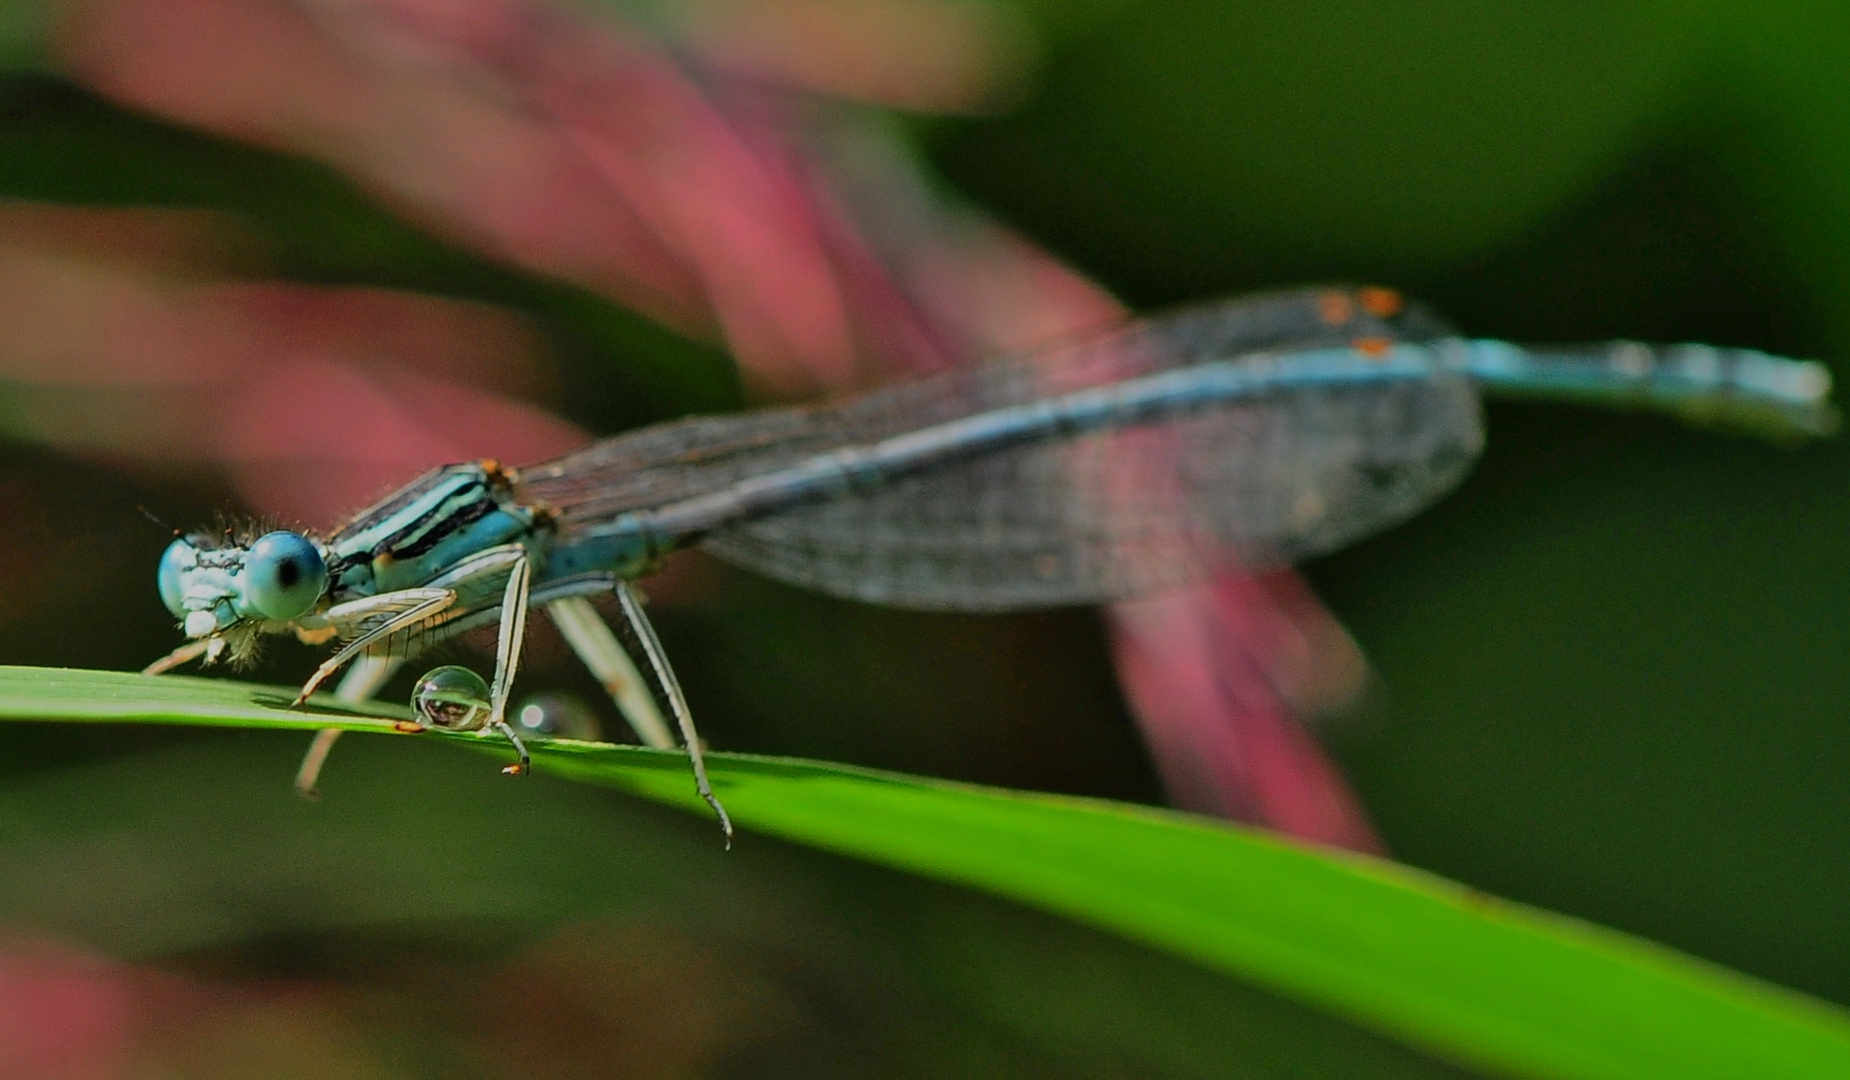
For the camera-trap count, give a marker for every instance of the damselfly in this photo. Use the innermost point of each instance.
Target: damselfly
(1246, 434)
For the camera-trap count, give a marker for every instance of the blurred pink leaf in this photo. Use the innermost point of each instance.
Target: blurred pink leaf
(430, 132)
(934, 55)
(522, 130)
(631, 997)
(1222, 679)
(314, 442)
(316, 398)
(64, 1015)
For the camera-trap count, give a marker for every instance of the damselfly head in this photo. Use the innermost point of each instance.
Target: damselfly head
(212, 587)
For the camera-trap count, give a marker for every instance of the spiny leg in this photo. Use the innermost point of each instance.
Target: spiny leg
(507, 655)
(591, 638)
(408, 608)
(361, 682)
(658, 659)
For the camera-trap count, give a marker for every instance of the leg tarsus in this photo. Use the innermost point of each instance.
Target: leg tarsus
(309, 773)
(525, 766)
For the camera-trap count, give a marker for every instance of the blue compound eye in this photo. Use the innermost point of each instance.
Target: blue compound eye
(179, 557)
(283, 575)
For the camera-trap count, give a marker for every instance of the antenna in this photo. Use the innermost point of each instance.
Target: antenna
(152, 516)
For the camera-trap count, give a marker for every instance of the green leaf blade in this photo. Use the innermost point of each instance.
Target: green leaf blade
(1429, 962)
(1413, 956)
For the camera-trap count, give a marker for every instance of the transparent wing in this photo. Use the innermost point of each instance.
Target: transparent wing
(1068, 520)
(1129, 511)
(697, 456)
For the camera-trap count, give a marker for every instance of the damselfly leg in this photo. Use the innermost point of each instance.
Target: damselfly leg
(507, 654)
(448, 701)
(361, 683)
(376, 625)
(631, 603)
(387, 628)
(590, 637)
(185, 654)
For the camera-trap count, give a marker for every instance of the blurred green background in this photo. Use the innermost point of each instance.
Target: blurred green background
(1615, 657)
(1613, 662)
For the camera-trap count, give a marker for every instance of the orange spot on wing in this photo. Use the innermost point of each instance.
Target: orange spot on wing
(1372, 347)
(1381, 303)
(407, 727)
(1334, 308)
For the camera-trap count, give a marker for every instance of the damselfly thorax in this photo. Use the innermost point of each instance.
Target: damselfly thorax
(454, 550)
